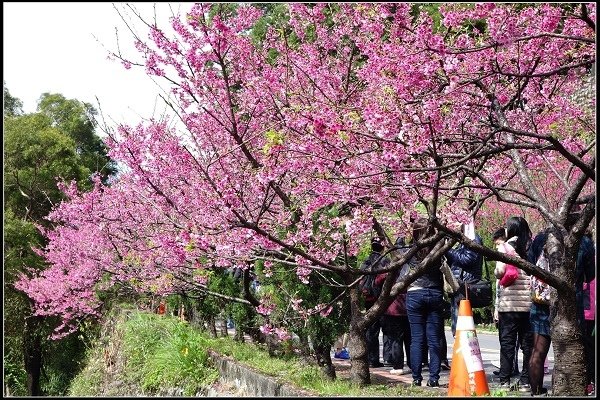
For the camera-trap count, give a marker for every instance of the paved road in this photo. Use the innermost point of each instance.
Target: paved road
(490, 354)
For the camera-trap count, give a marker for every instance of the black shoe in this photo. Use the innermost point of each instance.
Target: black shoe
(543, 392)
(496, 372)
(417, 382)
(375, 365)
(433, 383)
(445, 365)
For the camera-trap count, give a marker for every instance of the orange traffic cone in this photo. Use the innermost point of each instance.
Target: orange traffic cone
(467, 376)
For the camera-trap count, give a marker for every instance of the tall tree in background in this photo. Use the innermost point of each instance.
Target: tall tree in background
(40, 149)
(12, 105)
(367, 109)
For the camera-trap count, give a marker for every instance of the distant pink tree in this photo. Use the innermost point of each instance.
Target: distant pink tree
(361, 107)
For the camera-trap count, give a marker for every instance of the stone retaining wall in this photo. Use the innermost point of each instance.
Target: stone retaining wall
(248, 382)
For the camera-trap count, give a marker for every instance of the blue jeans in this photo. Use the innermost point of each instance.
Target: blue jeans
(424, 308)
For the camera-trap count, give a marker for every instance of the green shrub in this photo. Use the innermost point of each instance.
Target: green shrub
(163, 352)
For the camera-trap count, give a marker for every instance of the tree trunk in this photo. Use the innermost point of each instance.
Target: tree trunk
(568, 377)
(323, 355)
(195, 317)
(304, 345)
(224, 328)
(359, 364)
(32, 353)
(210, 324)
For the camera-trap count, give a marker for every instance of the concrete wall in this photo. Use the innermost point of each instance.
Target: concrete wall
(248, 382)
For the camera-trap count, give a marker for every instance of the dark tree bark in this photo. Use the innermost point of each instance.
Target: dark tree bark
(224, 328)
(304, 346)
(359, 364)
(211, 325)
(569, 375)
(32, 353)
(323, 356)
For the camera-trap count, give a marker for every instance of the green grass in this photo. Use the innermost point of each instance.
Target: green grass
(162, 352)
(156, 353)
(165, 352)
(303, 376)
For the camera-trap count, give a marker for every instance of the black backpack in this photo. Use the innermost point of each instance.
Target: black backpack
(368, 288)
(366, 285)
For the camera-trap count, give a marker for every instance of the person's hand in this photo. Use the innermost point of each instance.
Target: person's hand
(495, 315)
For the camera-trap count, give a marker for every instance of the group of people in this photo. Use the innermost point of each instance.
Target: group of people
(413, 324)
(523, 305)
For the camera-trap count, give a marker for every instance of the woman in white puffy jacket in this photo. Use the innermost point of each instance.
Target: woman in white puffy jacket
(513, 307)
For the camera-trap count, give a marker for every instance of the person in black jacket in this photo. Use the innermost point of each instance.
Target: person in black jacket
(466, 266)
(374, 262)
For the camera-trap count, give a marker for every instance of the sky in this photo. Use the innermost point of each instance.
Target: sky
(63, 48)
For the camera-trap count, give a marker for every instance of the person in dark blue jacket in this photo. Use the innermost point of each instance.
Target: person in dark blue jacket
(465, 265)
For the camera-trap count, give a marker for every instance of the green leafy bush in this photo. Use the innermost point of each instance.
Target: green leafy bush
(165, 352)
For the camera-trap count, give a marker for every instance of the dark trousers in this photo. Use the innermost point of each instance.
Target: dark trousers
(512, 325)
(424, 308)
(387, 346)
(372, 337)
(396, 330)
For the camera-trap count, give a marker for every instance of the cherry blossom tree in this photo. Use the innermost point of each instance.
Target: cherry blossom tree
(370, 110)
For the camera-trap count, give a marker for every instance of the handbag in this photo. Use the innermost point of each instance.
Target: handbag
(540, 290)
(479, 293)
(511, 273)
(451, 284)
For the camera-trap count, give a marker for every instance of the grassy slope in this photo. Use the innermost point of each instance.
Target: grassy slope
(146, 354)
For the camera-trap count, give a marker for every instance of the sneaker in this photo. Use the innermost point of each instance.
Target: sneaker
(399, 371)
(445, 365)
(416, 382)
(431, 383)
(375, 365)
(343, 354)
